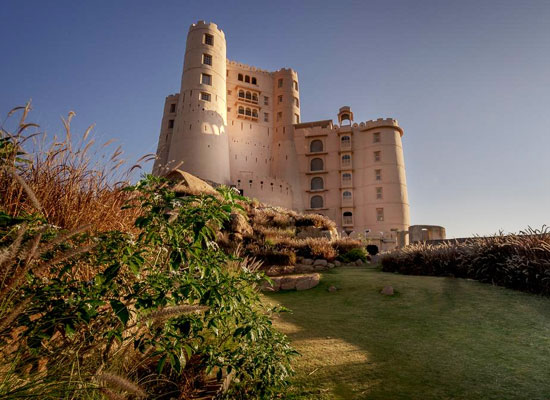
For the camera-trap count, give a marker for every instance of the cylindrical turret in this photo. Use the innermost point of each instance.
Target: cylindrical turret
(286, 96)
(200, 140)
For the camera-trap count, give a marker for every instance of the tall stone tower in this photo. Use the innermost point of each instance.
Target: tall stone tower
(197, 134)
(286, 99)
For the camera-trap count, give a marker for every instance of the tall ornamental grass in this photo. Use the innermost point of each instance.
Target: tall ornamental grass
(517, 261)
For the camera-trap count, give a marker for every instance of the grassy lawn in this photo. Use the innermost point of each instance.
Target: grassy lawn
(437, 338)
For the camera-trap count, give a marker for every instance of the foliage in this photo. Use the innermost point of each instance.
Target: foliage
(372, 249)
(354, 255)
(149, 312)
(517, 261)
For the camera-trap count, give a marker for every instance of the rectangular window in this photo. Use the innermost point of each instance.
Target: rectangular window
(296, 119)
(279, 116)
(378, 174)
(296, 85)
(280, 99)
(207, 59)
(380, 214)
(376, 137)
(297, 102)
(208, 39)
(379, 193)
(206, 79)
(205, 96)
(170, 123)
(173, 108)
(376, 156)
(266, 117)
(280, 83)
(266, 101)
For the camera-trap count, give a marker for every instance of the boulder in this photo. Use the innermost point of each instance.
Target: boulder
(331, 265)
(239, 224)
(321, 262)
(307, 261)
(388, 290)
(359, 263)
(307, 281)
(275, 286)
(303, 232)
(320, 267)
(301, 268)
(288, 282)
(185, 183)
(337, 263)
(332, 288)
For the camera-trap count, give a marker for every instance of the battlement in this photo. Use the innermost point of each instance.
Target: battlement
(246, 67)
(171, 96)
(204, 24)
(371, 124)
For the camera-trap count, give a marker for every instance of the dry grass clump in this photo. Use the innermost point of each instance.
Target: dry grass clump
(75, 182)
(517, 261)
(343, 245)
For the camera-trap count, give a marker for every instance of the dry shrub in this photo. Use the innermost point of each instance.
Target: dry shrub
(344, 245)
(316, 220)
(517, 261)
(77, 182)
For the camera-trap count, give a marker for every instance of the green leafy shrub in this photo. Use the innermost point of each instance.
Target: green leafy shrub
(354, 255)
(142, 313)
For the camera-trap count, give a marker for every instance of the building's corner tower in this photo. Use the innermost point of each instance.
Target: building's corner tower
(199, 141)
(286, 98)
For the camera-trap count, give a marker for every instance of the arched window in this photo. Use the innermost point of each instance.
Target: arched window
(316, 146)
(248, 95)
(317, 183)
(346, 177)
(348, 218)
(254, 97)
(241, 93)
(240, 77)
(248, 111)
(317, 164)
(346, 159)
(254, 81)
(346, 195)
(247, 79)
(316, 202)
(346, 141)
(241, 110)
(255, 113)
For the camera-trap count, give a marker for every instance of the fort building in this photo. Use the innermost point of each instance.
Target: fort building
(239, 125)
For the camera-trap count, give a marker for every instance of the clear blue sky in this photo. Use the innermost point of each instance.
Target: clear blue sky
(469, 81)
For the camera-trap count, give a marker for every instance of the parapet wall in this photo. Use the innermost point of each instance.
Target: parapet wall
(267, 190)
(208, 25)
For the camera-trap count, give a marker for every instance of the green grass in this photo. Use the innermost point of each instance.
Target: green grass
(437, 338)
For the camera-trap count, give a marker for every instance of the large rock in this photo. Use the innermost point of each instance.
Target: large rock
(291, 282)
(337, 263)
(301, 268)
(239, 224)
(288, 283)
(308, 282)
(307, 261)
(275, 286)
(321, 262)
(331, 265)
(185, 183)
(359, 263)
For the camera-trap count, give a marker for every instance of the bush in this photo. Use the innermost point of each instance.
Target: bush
(83, 314)
(372, 249)
(354, 255)
(518, 261)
